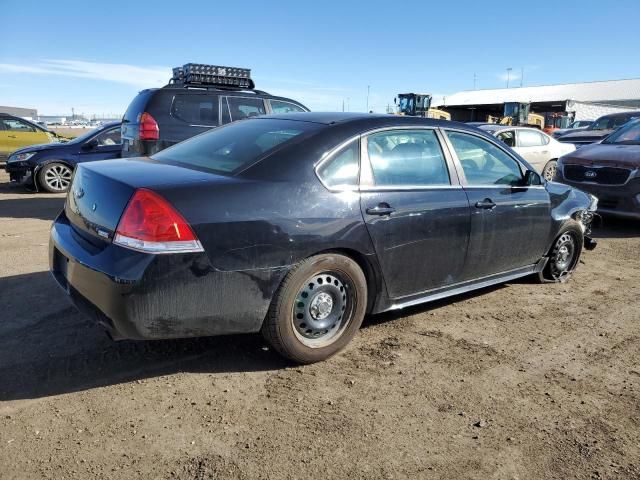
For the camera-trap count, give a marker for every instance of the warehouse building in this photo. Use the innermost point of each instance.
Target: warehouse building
(27, 113)
(571, 101)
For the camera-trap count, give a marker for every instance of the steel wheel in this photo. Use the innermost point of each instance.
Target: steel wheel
(56, 177)
(322, 309)
(549, 172)
(564, 256)
(317, 309)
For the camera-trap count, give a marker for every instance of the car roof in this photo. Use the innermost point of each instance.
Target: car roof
(498, 128)
(632, 113)
(366, 119)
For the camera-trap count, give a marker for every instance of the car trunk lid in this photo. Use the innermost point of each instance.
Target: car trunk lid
(101, 190)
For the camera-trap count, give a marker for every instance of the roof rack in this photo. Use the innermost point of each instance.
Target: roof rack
(198, 74)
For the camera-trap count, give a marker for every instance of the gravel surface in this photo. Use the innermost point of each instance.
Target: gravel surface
(521, 381)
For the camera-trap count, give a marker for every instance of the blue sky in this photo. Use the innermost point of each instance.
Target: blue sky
(96, 55)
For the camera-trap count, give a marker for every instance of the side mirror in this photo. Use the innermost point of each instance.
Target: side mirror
(90, 145)
(531, 178)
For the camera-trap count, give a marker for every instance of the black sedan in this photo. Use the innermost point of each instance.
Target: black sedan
(49, 167)
(298, 225)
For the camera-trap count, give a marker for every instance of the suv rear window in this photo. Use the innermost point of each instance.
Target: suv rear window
(231, 148)
(196, 109)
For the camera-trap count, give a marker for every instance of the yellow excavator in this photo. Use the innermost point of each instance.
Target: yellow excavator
(518, 114)
(419, 105)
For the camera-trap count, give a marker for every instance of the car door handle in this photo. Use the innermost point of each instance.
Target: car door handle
(11, 136)
(487, 204)
(381, 209)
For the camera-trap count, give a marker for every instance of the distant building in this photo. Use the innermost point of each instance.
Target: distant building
(579, 101)
(48, 119)
(28, 113)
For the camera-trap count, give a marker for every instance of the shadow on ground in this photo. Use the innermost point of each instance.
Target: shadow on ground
(17, 202)
(612, 227)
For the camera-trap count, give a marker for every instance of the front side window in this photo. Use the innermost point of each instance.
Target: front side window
(484, 163)
(529, 138)
(109, 138)
(240, 108)
(342, 170)
(279, 106)
(196, 109)
(407, 157)
(15, 125)
(231, 148)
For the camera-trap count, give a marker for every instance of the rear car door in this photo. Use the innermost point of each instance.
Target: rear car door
(510, 221)
(416, 212)
(106, 145)
(533, 147)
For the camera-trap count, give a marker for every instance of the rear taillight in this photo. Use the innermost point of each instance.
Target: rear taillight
(150, 224)
(148, 127)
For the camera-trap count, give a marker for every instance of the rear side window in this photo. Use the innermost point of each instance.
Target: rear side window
(239, 108)
(342, 170)
(280, 106)
(529, 138)
(196, 109)
(231, 148)
(407, 157)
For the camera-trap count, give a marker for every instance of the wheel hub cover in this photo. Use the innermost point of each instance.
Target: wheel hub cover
(321, 306)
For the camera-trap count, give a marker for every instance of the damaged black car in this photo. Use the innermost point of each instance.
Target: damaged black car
(298, 225)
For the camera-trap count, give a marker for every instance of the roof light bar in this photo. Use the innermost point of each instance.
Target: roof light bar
(201, 74)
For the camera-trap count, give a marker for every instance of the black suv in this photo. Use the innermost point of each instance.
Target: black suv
(197, 98)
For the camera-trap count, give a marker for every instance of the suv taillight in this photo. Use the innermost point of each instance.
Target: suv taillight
(148, 127)
(150, 224)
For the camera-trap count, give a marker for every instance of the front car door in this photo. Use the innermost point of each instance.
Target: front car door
(533, 147)
(16, 133)
(510, 221)
(416, 212)
(106, 145)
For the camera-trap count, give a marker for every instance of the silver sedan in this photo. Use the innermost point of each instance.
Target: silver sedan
(536, 147)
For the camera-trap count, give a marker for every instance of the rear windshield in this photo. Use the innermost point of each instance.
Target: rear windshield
(231, 148)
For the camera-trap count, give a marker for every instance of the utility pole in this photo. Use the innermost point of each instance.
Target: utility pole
(368, 90)
(343, 104)
(348, 98)
(73, 114)
(521, 76)
(508, 75)
(475, 81)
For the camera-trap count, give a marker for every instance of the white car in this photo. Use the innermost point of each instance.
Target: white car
(536, 147)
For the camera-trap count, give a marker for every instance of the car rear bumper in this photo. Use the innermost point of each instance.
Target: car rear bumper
(616, 200)
(143, 296)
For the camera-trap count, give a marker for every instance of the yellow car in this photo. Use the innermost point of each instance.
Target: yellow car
(16, 133)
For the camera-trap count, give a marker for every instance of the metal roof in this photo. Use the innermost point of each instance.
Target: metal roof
(602, 91)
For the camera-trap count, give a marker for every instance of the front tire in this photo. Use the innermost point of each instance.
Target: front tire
(55, 177)
(564, 256)
(318, 308)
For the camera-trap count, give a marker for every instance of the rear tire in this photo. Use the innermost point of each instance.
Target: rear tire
(318, 308)
(549, 171)
(564, 256)
(55, 177)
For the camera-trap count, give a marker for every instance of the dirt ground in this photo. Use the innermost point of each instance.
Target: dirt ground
(521, 381)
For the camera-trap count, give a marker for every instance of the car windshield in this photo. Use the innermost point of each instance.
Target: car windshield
(609, 123)
(237, 145)
(627, 135)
